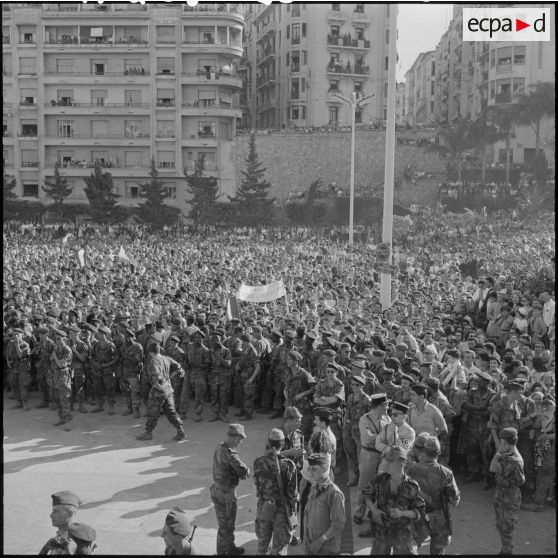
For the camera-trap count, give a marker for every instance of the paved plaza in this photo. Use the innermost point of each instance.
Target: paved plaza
(128, 486)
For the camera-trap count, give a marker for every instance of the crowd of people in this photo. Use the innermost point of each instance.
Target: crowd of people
(469, 190)
(456, 375)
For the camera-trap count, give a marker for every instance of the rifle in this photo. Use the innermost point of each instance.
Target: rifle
(192, 534)
(445, 504)
(291, 517)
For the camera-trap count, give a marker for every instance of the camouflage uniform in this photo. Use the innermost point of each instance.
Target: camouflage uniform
(158, 370)
(263, 348)
(62, 380)
(44, 350)
(507, 497)
(396, 534)
(390, 389)
(78, 367)
(448, 412)
(268, 489)
(118, 339)
(323, 389)
(277, 371)
(247, 363)
(436, 482)
(228, 469)
(357, 405)
(220, 382)
(301, 381)
(131, 355)
(20, 369)
(177, 381)
(103, 353)
(198, 360)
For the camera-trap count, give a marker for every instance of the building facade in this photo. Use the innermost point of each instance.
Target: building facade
(301, 54)
(420, 91)
(120, 84)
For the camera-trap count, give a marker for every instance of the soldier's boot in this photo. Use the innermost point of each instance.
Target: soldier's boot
(25, 405)
(82, 409)
(110, 410)
(42, 405)
(18, 405)
(277, 414)
(128, 411)
(137, 413)
(180, 434)
(60, 422)
(97, 409)
(236, 551)
(532, 507)
(147, 435)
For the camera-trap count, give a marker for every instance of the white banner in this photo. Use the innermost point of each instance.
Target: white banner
(263, 293)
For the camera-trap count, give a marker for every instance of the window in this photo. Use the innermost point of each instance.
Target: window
(518, 86)
(28, 65)
(132, 159)
(519, 54)
(64, 65)
(336, 7)
(333, 86)
(295, 33)
(502, 155)
(209, 158)
(385, 89)
(295, 57)
(132, 191)
(504, 56)
(29, 130)
(133, 128)
(295, 11)
(29, 158)
(133, 66)
(28, 96)
(165, 128)
(165, 34)
(98, 67)
(171, 191)
(359, 8)
(334, 29)
(386, 63)
(288, 31)
(99, 157)
(359, 33)
(225, 130)
(165, 97)
(333, 58)
(165, 159)
(385, 114)
(206, 129)
(64, 96)
(30, 190)
(304, 29)
(431, 88)
(65, 158)
(433, 69)
(132, 97)
(99, 128)
(304, 58)
(387, 36)
(65, 128)
(302, 85)
(206, 97)
(358, 87)
(294, 88)
(206, 36)
(295, 113)
(98, 97)
(165, 65)
(333, 114)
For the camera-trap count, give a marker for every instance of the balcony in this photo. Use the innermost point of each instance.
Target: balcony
(5, 39)
(30, 164)
(295, 68)
(124, 73)
(334, 15)
(215, 46)
(346, 42)
(359, 17)
(502, 98)
(105, 140)
(73, 104)
(295, 40)
(266, 55)
(201, 76)
(265, 82)
(166, 165)
(95, 10)
(330, 96)
(94, 43)
(166, 103)
(215, 109)
(212, 10)
(347, 69)
(28, 104)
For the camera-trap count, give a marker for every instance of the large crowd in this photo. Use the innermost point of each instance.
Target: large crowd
(464, 355)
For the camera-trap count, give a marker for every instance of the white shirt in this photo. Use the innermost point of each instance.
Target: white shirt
(548, 312)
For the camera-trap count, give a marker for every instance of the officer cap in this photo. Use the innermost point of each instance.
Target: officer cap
(178, 523)
(396, 453)
(509, 433)
(57, 332)
(295, 355)
(513, 385)
(43, 330)
(290, 334)
(330, 352)
(359, 357)
(379, 398)
(67, 498)
(319, 460)
(236, 430)
(277, 333)
(104, 329)
(401, 407)
(292, 412)
(174, 338)
(434, 383)
(358, 364)
(432, 444)
(129, 332)
(276, 434)
(359, 379)
(74, 328)
(82, 532)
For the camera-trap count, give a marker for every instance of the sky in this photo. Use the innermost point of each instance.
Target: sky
(420, 28)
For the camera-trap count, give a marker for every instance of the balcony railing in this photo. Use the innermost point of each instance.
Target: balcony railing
(166, 165)
(503, 98)
(102, 136)
(295, 41)
(347, 41)
(211, 75)
(73, 104)
(166, 102)
(208, 9)
(348, 69)
(32, 164)
(28, 104)
(140, 72)
(206, 42)
(337, 15)
(216, 105)
(207, 135)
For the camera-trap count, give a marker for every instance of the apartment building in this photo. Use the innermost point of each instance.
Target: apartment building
(120, 84)
(301, 54)
(420, 90)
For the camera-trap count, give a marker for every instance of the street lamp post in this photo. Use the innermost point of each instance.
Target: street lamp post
(354, 102)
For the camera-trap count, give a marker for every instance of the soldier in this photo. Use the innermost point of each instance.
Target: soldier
(61, 362)
(118, 331)
(439, 490)
(293, 447)
(437, 398)
(299, 342)
(326, 358)
(358, 403)
(18, 355)
(159, 371)
(42, 350)
(83, 536)
(131, 356)
(278, 371)
(387, 386)
(396, 433)
(370, 426)
(404, 394)
(324, 514)
(177, 534)
(309, 354)
(228, 469)
(80, 352)
(299, 388)
(263, 348)
(507, 465)
(395, 501)
(276, 482)
(221, 377)
(103, 359)
(198, 361)
(478, 405)
(88, 337)
(172, 349)
(65, 506)
(248, 366)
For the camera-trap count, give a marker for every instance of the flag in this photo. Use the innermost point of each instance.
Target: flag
(81, 257)
(122, 255)
(232, 308)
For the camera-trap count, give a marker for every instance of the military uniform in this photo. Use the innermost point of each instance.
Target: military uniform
(20, 369)
(337, 389)
(104, 378)
(277, 370)
(436, 483)
(78, 367)
(228, 469)
(275, 526)
(177, 381)
(357, 405)
(220, 380)
(247, 362)
(43, 350)
(299, 382)
(131, 354)
(198, 361)
(62, 380)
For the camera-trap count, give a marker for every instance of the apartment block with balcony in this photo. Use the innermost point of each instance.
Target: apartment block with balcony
(301, 54)
(420, 90)
(119, 84)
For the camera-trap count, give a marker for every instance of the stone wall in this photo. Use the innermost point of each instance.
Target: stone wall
(293, 161)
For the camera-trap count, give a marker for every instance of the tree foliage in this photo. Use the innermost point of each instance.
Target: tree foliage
(8, 187)
(56, 187)
(101, 195)
(205, 194)
(252, 203)
(154, 210)
(483, 133)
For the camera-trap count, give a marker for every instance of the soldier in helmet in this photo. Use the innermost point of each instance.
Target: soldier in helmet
(177, 533)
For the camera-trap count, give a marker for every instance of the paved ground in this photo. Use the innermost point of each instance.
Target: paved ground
(128, 486)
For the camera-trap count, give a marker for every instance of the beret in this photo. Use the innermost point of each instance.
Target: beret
(395, 453)
(178, 522)
(174, 338)
(276, 434)
(359, 379)
(330, 352)
(57, 332)
(295, 355)
(319, 460)
(104, 329)
(82, 532)
(42, 330)
(419, 389)
(130, 332)
(276, 332)
(514, 385)
(65, 497)
(508, 433)
(290, 334)
(358, 364)
(407, 377)
(432, 444)
(292, 412)
(421, 439)
(236, 430)
(401, 407)
(432, 382)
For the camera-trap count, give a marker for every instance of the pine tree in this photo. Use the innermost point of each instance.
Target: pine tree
(154, 210)
(252, 203)
(204, 191)
(101, 195)
(57, 187)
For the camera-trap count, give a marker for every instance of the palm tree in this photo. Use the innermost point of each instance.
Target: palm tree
(484, 134)
(504, 117)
